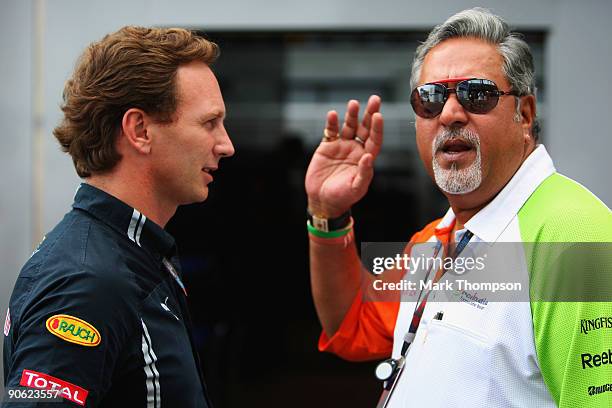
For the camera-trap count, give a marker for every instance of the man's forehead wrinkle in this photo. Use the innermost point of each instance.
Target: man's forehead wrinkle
(463, 58)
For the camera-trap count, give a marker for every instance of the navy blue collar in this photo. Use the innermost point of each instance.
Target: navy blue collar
(124, 219)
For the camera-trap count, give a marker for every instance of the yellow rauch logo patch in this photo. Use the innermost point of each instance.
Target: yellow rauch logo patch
(74, 330)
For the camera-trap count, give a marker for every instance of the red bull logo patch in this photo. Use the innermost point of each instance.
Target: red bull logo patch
(73, 330)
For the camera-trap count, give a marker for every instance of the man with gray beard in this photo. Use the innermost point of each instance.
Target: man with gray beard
(473, 93)
(454, 180)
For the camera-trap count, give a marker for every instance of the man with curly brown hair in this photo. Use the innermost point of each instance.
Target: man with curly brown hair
(98, 315)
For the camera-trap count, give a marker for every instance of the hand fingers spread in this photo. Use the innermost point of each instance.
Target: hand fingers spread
(351, 120)
(374, 142)
(331, 124)
(373, 106)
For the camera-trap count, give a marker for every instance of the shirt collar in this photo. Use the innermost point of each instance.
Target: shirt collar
(490, 222)
(124, 219)
(446, 225)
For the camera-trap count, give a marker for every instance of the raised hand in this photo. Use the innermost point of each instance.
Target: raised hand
(342, 167)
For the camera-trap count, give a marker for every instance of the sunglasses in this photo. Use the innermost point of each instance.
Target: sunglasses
(474, 94)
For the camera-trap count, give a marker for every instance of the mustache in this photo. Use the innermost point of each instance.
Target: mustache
(464, 134)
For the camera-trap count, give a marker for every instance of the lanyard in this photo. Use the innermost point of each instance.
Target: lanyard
(420, 306)
(172, 272)
(390, 370)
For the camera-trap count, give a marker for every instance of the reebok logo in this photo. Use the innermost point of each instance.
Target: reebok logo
(596, 360)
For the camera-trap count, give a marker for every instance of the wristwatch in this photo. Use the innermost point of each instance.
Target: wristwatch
(329, 224)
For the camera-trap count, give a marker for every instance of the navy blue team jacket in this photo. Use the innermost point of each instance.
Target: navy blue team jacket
(97, 314)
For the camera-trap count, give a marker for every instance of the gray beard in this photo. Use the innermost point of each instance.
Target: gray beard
(454, 181)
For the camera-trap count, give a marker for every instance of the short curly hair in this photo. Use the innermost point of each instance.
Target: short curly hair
(134, 67)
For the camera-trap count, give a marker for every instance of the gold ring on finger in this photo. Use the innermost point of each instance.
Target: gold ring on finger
(360, 140)
(327, 137)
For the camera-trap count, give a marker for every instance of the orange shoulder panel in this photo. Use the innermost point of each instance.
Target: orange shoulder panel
(366, 333)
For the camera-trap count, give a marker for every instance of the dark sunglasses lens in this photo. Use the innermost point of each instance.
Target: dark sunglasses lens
(478, 95)
(428, 100)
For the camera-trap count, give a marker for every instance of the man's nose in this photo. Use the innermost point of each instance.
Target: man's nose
(224, 148)
(453, 114)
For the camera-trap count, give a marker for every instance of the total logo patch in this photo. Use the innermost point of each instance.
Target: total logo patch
(73, 330)
(69, 391)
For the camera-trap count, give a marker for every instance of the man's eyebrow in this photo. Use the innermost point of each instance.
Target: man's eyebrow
(219, 114)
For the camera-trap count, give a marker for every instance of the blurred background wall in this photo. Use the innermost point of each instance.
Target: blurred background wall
(283, 65)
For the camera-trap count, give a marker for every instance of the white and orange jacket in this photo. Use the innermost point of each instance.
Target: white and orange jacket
(533, 353)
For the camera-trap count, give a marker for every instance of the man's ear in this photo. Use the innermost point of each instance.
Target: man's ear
(528, 114)
(134, 129)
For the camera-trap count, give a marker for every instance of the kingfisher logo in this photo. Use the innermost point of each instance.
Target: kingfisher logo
(599, 390)
(73, 330)
(587, 325)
